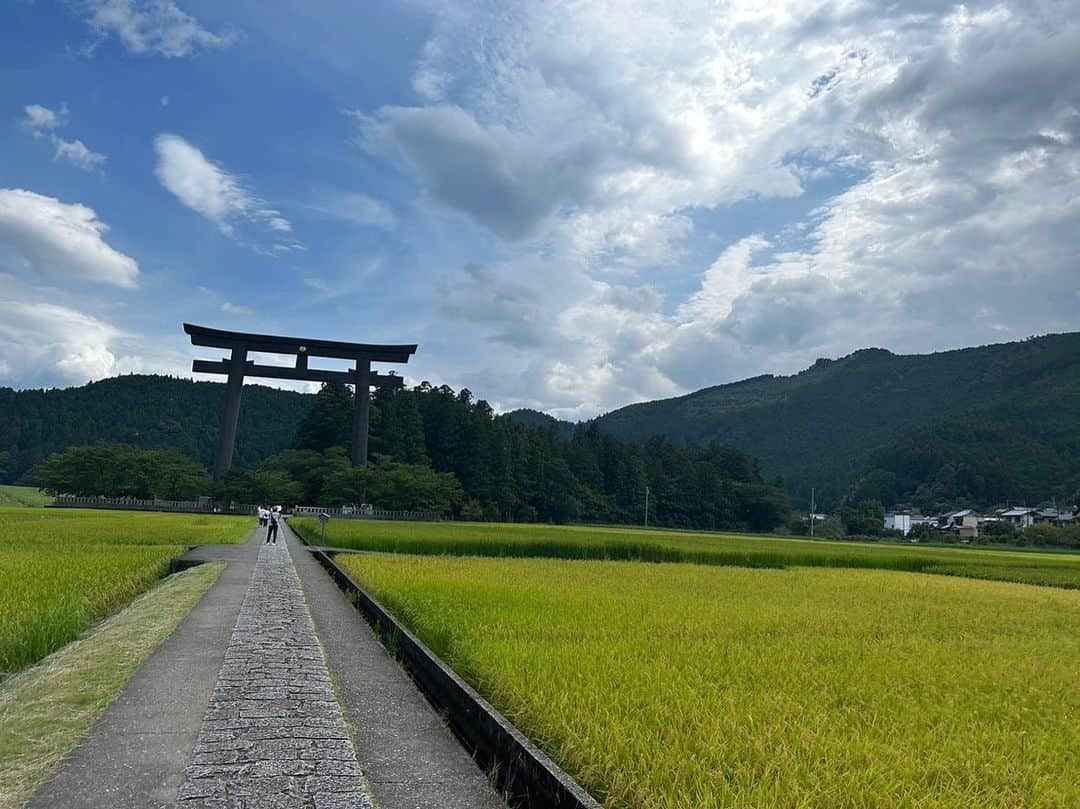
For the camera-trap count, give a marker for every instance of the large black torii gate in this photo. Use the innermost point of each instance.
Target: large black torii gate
(237, 366)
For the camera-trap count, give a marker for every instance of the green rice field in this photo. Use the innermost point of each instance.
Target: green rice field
(691, 686)
(574, 542)
(61, 570)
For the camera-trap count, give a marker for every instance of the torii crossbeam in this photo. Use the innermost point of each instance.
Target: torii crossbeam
(237, 366)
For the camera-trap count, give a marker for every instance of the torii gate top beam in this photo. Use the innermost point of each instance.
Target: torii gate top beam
(270, 344)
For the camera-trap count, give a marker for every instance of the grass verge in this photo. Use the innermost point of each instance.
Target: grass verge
(45, 709)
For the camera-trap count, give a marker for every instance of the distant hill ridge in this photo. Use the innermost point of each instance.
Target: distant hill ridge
(148, 411)
(992, 423)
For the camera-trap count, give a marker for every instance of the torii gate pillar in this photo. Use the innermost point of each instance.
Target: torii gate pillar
(237, 366)
(361, 414)
(231, 419)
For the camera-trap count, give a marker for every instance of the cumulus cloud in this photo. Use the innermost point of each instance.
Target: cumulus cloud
(149, 27)
(59, 240)
(43, 344)
(590, 138)
(210, 190)
(42, 122)
(489, 174)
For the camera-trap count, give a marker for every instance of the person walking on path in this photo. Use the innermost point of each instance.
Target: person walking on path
(264, 515)
(271, 529)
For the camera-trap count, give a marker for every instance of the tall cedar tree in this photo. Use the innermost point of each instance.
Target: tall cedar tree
(510, 470)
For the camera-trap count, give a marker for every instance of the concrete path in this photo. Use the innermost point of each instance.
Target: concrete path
(274, 735)
(134, 756)
(236, 708)
(409, 756)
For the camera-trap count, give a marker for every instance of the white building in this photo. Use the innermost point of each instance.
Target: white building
(898, 521)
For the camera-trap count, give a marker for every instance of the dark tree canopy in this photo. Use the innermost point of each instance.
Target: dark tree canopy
(440, 450)
(119, 470)
(149, 412)
(328, 422)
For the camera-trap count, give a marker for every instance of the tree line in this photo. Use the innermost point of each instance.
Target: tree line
(440, 450)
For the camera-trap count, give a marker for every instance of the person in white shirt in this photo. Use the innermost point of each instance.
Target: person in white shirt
(271, 530)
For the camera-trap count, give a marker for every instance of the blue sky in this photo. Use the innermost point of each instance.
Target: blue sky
(570, 206)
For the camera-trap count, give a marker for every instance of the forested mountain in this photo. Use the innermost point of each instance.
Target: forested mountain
(150, 412)
(979, 426)
(534, 418)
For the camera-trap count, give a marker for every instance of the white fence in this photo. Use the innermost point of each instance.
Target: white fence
(210, 507)
(352, 513)
(132, 504)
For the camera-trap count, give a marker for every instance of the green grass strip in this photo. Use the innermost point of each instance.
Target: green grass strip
(46, 709)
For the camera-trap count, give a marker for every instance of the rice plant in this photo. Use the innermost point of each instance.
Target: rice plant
(618, 543)
(690, 687)
(60, 571)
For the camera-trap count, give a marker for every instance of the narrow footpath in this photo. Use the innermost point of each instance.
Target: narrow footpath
(408, 754)
(274, 693)
(274, 734)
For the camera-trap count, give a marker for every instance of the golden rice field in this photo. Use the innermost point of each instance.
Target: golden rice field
(684, 686)
(62, 570)
(625, 543)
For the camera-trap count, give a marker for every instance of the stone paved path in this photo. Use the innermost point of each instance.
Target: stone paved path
(273, 735)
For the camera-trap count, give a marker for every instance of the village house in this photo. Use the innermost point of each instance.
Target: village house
(1057, 517)
(1018, 517)
(963, 523)
(967, 524)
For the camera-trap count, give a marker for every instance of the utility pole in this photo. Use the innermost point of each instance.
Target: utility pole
(813, 511)
(646, 506)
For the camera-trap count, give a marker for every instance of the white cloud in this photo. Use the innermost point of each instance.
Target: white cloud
(46, 344)
(149, 27)
(590, 137)
(50, 337)
(77, 153)
(60, 240)
(729, 277)
(354, 207)
(235, 309)
(210, 190)
(42, 122)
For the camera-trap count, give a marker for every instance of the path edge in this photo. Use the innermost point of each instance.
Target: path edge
(525, 775)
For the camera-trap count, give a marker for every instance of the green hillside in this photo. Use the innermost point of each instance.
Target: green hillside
(980, 425)
(151, 412)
